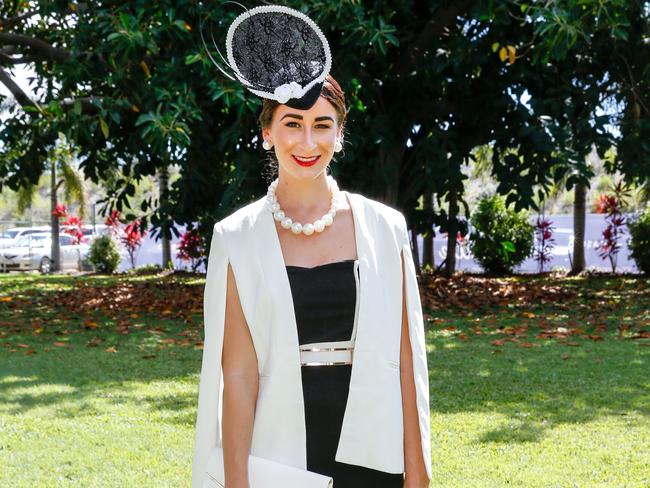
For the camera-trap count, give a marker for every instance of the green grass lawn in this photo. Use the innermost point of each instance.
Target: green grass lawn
(99, 382)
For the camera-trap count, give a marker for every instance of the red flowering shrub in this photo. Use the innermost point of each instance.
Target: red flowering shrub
(543, 242)
(611, 205)
(130, 235)
(191, 248)
(73, 226)
(60, 211)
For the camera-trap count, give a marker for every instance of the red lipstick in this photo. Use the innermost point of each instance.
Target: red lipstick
(305, 163)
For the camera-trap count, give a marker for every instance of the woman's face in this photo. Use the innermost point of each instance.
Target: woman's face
(303, 140)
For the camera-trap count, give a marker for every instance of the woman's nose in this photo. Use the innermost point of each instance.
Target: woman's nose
(308, 139)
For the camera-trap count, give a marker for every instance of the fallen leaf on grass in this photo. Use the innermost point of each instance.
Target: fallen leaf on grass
(61, 344)
(90, 324)
(642, 334)
(516, 331)
(110, 349)
(24, 346)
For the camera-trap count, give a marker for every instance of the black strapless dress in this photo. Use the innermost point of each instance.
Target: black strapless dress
(324, 299)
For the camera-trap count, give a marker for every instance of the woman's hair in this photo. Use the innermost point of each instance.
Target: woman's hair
(331, 91)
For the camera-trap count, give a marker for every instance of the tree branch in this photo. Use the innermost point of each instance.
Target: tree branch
(87, 105)
(434, 27)
(10, 22)
(20, 96)
(50, 52)
(21, 60)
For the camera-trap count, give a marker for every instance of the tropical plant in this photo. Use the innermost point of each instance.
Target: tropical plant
(543, 242)
(639, 243)
(191, 248)
(612, 206)
(104, 254)
(501, 237)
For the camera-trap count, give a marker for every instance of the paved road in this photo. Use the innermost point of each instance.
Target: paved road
(563, 235)
(151, 253)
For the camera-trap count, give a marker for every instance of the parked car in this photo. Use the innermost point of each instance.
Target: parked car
(89, 231)
(32, 252)
(10, 236)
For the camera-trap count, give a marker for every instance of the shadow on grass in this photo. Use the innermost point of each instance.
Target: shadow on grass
(534, 388)
(541, 387)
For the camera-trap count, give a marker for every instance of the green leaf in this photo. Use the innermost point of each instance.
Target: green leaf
(104, 127)
(619, 33)
(392, 39)
(508, 246)
(193, 58)
(182, 25)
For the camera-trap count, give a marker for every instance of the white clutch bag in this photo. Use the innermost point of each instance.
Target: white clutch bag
(264, 473)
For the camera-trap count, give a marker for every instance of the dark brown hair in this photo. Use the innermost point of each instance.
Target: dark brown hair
(331, 91)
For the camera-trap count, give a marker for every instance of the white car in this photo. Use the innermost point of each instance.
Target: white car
(32, 252)
(10, 236)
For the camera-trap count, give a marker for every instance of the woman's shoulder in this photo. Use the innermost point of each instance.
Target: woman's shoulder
(380, 210)
(242, 219)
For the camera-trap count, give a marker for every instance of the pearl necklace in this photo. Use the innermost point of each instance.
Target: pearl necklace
(296, 227)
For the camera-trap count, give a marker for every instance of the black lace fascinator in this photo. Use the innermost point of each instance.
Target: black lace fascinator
(276, 52)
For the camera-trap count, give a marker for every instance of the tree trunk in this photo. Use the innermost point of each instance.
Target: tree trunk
(390, 159)
(54, 219)
(450, 264)
(579, 217)
(163, 181)
(427, 239)
(415, 250)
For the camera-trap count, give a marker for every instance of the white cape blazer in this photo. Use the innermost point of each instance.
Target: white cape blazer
(372, 430)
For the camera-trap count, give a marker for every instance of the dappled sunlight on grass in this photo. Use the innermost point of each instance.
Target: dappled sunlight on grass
(515, 385)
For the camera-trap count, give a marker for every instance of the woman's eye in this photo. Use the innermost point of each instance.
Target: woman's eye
(319, 126)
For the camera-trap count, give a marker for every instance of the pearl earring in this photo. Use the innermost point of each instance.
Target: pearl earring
(338, 147)
(267, 145)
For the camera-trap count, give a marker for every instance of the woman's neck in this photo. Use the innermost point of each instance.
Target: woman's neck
(303, 197)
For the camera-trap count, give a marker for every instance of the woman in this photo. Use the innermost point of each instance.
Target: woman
(309, 265)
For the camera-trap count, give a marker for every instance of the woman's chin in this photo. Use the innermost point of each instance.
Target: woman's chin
(304, 173)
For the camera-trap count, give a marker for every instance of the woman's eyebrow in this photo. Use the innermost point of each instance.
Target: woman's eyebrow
(299, 117)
